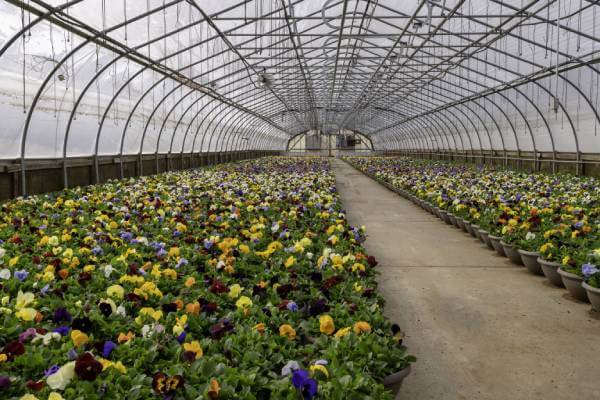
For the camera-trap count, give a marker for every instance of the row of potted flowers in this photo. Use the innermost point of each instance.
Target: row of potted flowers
(548, 223)
(241, 281)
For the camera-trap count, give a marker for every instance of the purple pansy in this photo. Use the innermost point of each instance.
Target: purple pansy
(107, 348)
(588, 270)
(304, 383)
(52, 370)
(21, 275)
(26, 334)
(61, 314)
(63, 330)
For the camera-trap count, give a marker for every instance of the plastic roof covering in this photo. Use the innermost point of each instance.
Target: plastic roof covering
(99, 77)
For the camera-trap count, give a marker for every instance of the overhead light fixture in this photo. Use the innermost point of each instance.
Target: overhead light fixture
(265, 80)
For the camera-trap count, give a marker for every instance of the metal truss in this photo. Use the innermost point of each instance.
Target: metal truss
(423, 76)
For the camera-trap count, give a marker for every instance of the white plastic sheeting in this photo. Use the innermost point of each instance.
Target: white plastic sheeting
(431, 74)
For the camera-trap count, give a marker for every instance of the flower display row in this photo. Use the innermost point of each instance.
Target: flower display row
(240, 281)
(549, 223)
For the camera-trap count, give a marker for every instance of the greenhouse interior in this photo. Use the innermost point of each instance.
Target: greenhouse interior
(299, 199)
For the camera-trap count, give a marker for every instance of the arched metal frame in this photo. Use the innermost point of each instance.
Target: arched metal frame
(334, 73)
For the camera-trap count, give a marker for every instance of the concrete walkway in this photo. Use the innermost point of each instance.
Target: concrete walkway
(481, 327)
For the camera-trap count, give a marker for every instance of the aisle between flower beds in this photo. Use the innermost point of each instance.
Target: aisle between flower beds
(548, 223)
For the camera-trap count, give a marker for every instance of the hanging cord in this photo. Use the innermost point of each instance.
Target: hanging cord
(125, 17)
(579, 25)
(24, 49)
(557, 56)
(547, 31)
(98, 83)
(594, 24)
(54, 75)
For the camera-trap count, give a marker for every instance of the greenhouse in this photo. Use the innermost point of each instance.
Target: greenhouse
(299, 199)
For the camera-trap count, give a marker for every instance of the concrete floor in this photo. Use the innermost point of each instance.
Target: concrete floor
(481, 327)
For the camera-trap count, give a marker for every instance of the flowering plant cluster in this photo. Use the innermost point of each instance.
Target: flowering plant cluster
(555, 215)
(241, 281)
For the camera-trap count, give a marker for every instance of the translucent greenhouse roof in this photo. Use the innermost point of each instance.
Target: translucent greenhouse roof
(100, 77)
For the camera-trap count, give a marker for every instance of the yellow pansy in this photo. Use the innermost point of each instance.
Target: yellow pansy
(115, 291)
(243, 302)
(260, 328)
(362, 327)
(357, 267)
(180, 325)
(342, 332)
(174, 252)
(235, 290)
(24, 299)
(79, 338)
(55, 396)
(152, 313)
(125, 337)
(287, 331)
(189, 282)
(194, 347)
(326, 324)
(109, 364)
(319, 368)
(244, 248)
(291, 260)
(26, 314)
(170, 273)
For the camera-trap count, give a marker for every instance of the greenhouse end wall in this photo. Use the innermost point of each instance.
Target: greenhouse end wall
(43, 176)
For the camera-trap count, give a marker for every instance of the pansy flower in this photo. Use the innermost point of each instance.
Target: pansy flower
(307, 386)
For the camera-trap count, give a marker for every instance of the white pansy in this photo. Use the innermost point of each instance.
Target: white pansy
(145, 330)
(47, 338)
(4, 274)
(289, 367)
(108, 269)
(121, 311)
(530, 236)
(62, 377)
(2, 253)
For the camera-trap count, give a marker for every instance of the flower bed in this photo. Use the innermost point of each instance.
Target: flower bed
(243, 281)
(555, 215)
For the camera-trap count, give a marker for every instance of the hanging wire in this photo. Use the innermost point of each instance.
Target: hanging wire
(23, 70)
(54, 75)
(558, 3)
(98, 84)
